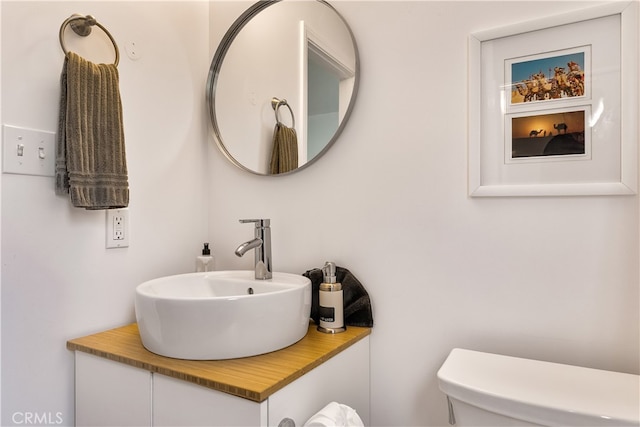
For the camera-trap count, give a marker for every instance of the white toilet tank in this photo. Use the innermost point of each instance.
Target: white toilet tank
(486, 389)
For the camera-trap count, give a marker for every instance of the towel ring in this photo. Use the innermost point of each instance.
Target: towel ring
(276, 104)
(83, 29)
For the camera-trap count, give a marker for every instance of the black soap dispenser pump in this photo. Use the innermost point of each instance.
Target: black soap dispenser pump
(204, 262)
(331, 301)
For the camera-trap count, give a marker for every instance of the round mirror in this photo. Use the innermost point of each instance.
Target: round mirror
(282, 85)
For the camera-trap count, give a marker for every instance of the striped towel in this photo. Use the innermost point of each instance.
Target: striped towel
(91, 164)
(284, 155)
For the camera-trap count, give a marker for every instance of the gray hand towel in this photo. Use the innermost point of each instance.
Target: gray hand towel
(90, 153)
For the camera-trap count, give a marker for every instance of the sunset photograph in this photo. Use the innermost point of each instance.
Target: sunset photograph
(548, 134)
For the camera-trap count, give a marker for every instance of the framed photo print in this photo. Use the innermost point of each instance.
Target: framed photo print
(528, 136)
(553, 105)
(549, 77)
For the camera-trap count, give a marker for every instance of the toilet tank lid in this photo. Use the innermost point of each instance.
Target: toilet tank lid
(541, 392)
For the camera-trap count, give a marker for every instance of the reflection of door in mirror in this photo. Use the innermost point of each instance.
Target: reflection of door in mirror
(328, 85)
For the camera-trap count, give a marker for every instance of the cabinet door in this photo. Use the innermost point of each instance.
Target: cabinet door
(110, 393)
(180, 403)
(344, 379)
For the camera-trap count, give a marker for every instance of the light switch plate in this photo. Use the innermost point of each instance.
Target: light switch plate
(28, 151)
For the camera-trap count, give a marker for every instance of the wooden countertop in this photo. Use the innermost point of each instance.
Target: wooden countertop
(254, 378)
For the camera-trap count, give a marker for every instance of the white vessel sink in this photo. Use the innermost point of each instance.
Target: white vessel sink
(222, 314)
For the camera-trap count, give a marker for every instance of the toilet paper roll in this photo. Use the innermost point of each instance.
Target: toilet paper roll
(335, 415)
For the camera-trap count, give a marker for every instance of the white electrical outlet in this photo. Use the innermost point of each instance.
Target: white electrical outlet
(117, 228)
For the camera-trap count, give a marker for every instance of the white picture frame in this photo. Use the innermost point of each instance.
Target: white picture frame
(605, 38)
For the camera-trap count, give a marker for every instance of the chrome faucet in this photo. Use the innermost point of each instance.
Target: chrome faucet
(262, 245)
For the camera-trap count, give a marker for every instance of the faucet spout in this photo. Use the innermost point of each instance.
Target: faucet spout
(247, 246)
(262, 245)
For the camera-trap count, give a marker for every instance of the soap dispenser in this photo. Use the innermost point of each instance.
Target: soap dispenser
(204, 262)
(331, 302)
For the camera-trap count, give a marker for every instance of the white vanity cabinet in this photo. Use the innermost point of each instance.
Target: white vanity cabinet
(114, 390)
(110, 393)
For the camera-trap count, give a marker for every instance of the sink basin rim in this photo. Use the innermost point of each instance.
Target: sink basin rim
(160, 288)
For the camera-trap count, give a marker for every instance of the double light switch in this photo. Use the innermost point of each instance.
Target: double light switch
(28, 151)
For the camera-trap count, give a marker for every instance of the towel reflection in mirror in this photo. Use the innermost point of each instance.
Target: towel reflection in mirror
(284, 152)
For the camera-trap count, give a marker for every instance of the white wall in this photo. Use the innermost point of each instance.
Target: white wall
(548, 278)
(58, 280)
(0, 233)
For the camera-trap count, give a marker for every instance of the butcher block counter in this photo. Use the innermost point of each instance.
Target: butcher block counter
(254, 378)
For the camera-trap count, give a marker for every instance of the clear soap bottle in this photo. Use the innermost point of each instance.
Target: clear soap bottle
(204, 262)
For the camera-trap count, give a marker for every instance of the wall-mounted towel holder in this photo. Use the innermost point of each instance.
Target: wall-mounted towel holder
(276, 104)
(81, 25)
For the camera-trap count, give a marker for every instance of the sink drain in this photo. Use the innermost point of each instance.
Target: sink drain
(250, 291)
